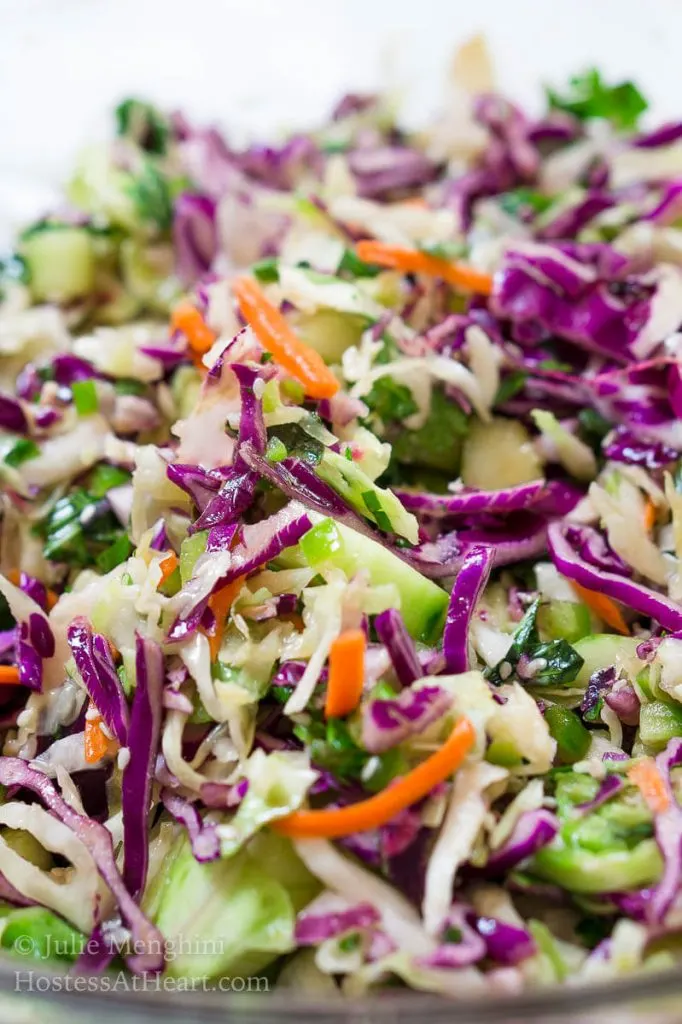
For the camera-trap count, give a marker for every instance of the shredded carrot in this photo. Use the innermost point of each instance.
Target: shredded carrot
(97, 745)
(604, 607)
(648, 779)
(275, 335)
(649, 516)
(416, 262)
(187, 319)
(220, 604)
(9, 675)
(346, 673)
(14, 576)
(377, 810)
(167, 565)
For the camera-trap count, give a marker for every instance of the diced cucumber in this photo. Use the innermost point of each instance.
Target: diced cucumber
(564, 620)
(190, 550)
(370, 500)
(185, 388)
(499, 454)
(422, 602)
(146, 273)
(61, 263)
(601, 650)
(330, 333)
(659, 723)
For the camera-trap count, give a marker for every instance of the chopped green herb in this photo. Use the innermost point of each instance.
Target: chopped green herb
(355, 267)
(349, 943)
(510, 385)
(149, 192)
(545, 664)
(142, 123)
(266, 271)
(104, 477)
(374, 506)
(523, 200)
(21, 451)
(78, 528)
(390, 401)
(588, 96)
(438, 443)
(85, 397)
(130, 386)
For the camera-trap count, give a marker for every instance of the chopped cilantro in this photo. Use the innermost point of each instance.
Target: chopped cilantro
(588, 96)
(21, 451)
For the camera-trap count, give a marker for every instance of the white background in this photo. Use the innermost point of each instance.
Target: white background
(261, 65)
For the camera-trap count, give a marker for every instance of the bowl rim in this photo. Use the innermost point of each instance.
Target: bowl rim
(213, 1005)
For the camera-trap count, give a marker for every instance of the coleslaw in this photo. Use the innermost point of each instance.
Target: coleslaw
(341, 620)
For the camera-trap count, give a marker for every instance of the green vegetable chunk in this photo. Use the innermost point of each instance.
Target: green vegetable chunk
(588, 96)
(229, 916)
(573, 739)
(423, 603)
(38, 934)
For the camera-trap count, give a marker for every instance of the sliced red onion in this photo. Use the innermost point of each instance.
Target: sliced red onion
(92, 655)
(136, 785)
(469, 585)
(533, 830)
(392, 632)
(203, 836)
(148, 940)
(625, 702)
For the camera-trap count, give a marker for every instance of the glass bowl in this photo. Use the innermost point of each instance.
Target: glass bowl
(257, 67)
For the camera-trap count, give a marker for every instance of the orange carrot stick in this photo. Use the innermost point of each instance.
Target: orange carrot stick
(167, 565)
(187, 319)
(220, 604)
(415, 262)
(649, 516)
(377, 810)
(602, 606)
(346, 673)
(646, 776)
(97, 745)
(14, 576)
(9, 675)
(277, 337)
